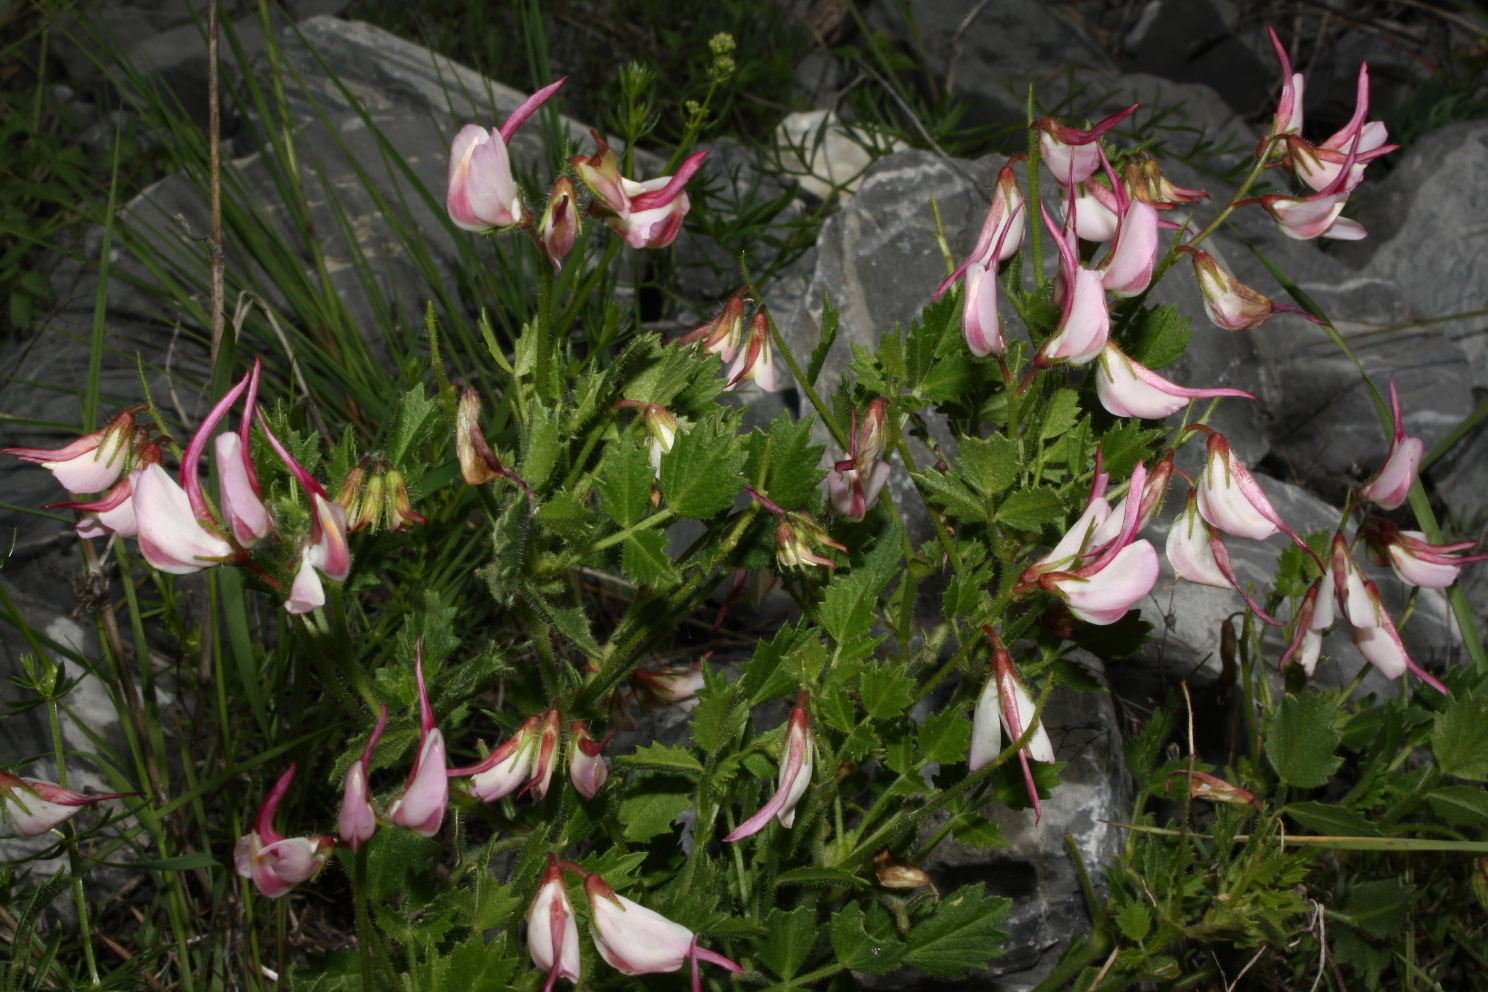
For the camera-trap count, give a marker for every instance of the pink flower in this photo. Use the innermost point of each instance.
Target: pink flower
(854, 483)
(482, 192)
(668, 686)
(1343, 578)
(1198, 554)
(1084, 322)
(357, 822)
(560, 224)
(547, 754)
(552, 935)
(1231, 499)
(421, 806)
(1417, 562)
(1288, 117)
(1117, 574)
(113, 512)
(326, 552)
(1391, 486)
(1070, 154)
(1005, 701)
(646, 214)
(94, 461)
(34, 807)
(1382, 646)
(755, 364)
(999, 240)
(170, 536)
(1228, 302)
(635, 940)
(274, 862)
(1128, 389)
(794, 780)
(587, 768)
(1307, 638)
(508, 768)
(1320, 166)
(723, 334)
(1127, 269)
(1306, 217)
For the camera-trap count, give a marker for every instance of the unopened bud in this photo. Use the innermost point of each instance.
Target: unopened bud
(894, 873)
(560, 224)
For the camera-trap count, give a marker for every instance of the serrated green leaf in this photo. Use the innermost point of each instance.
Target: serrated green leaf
(945, 737)
(865, 368)
(624, 485)
(1064, 410)
(1332, 821)
(948, 491)
(789, 937)
(478, 965)
(1126, 444)
(542, 445)
(1030, 509)
(785, 464)
(490, 903)
(414, 421)
(719, 716)
(961, 936)
(644, 558)
(573, 623)
(566, 515)
(700, 475)
(1463, 805)
(766, 674)
(990, 465)
(887, 690)
(819, 878)
(876, 953)
(831, 322)
(948, 379)
(1161, 336)
(649, 814)
(1134, 920)
(1459, 738)
(838, 709)
(662, 756)
(847, 606)
(1301, 737)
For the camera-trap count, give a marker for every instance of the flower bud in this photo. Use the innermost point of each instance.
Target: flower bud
(560, 224)
(587, 768)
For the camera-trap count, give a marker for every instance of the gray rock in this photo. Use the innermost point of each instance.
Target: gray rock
(1192, 41)
(966, 49)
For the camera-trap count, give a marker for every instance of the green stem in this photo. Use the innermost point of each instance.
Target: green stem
(363, 917)
(659, 517)
(543, 367)
(74, 863)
